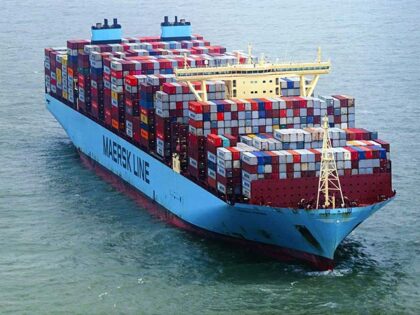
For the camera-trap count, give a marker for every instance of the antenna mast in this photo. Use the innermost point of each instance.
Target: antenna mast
(329, 182)
(249, 54)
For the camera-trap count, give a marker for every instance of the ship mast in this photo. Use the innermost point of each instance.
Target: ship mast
(329, 182)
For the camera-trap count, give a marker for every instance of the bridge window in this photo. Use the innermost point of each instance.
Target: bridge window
(234, 83)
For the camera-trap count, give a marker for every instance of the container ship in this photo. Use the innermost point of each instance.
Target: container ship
(220, 143)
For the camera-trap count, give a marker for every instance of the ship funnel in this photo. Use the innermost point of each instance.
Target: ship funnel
(177, 30)
(106, 34)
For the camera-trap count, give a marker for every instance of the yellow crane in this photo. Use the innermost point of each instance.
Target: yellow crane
(254, 80)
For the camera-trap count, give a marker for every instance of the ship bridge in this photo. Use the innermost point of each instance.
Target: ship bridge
(255, 79)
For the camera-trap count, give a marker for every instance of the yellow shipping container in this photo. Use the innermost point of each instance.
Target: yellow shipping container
(58, 74)
(144, 119)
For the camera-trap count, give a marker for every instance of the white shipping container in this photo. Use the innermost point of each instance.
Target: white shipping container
(211, 173)
(248, 176)
(268, 169)
(221, 188)
(246, 184)
(249, 158)
(224, 154)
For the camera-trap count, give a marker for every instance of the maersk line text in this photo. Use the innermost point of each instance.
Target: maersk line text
(126, 159)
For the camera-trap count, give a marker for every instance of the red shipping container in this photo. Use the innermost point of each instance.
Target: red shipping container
(236, 155)
(214, 140)
(211, 182)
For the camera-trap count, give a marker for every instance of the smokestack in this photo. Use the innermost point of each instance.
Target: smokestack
(115, 25)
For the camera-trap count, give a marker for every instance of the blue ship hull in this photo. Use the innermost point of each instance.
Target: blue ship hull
(312, 235)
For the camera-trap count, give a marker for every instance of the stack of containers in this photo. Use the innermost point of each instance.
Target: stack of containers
(308, 138)
(213, 117)
(74, 48)
(317, 137)
(385, 145)
(258, 165)
(229, 170)
(84, 90)
(197, 157)
(293, 138)
(366, 157)
(84, 84)
(97, 84)
(179, 143)
(360, 137)
(55, 67)
(277, 164)
(47, 69)
(147, 115)
(107, 89)
(213, 142)
(208, 49)
(172, 106)
(340, 110)
(132, 105)
(51, 65)
(147, 128)
(160, 79)
(151, 65)
(360, 134)
(246, 116)
(64, 82)
(299, 112)
(58, 65)
(147, 108)
(290, 86)
(263, 141)
(136, 52)
(347, 111)
(117, 96)
(120, 69)
(337, 136)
